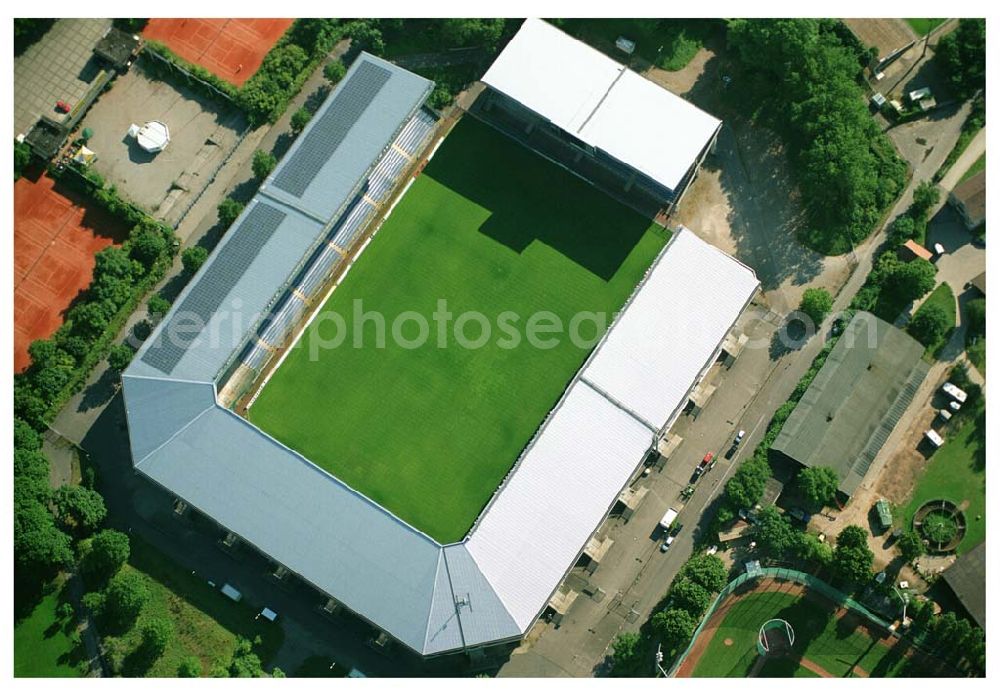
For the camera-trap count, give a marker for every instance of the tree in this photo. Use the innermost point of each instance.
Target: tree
(245, 662)
(707, 571)
(26, 437)
(147, 245)
(903, 228)
(158, 305)
(976, 316)
(774, 533)
(910, 280)
(89, 320)
(334, 71)
(627, 655)
(125, 597)
(852, 559)
(39, 545)
(79, 509)
(228, 211)
(818, 485)
(809, 548)
(264, 162)
(930, 324)
(156, 635)
(120, 356)
(109, 550)
(189, 667)
(816, 303)
(674, 628)
(925, 196)
(193, 257)
(963, 53)
(459, 33)
(300, 119)
(910, 545)
(853, 536)
(366, 36)
(689, 596)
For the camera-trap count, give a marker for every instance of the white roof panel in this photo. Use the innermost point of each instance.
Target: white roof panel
(564, 485)
(553, 75)
(672, 328)
(599, 101)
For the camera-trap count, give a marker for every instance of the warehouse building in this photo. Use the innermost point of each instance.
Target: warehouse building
(855, 400)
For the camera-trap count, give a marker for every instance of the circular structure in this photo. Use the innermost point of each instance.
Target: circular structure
(775, 637)
(941, 524)
(154, 136)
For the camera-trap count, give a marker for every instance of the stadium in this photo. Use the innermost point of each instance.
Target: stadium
(441, 494)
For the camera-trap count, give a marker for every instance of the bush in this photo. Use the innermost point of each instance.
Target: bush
(925, 196)
(156, 635)
(79, 509)
(26, 437)
(228, 211)
(147, 245)
(193, 257)
(976, 316)
(263, 164)
(22, 158)
(189, 667)
(334, 71)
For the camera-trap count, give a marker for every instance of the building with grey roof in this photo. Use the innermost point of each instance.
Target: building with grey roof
(433, 598)
(855, 400)
(966, 578)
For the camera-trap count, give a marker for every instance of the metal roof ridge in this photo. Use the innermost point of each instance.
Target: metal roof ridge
(176, 434)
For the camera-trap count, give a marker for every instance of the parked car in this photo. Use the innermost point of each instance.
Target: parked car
(671, 537)
(799, 514)
(706, 463)
(954, 392)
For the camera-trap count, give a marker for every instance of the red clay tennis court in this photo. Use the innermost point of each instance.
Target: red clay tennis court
(55, 239)
(232, 49)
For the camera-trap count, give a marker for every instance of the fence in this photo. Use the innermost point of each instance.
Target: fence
(795, 576)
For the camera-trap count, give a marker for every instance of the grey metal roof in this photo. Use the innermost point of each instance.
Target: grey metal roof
(967, 579)
(855, 400)
(267, 244)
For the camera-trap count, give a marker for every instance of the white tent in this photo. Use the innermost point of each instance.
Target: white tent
(152, 137)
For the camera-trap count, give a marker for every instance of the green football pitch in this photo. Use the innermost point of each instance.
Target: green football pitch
(430, 432)
(825, 644)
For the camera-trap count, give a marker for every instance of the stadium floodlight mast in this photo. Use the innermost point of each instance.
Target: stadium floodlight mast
(659, 659)
(905, 599)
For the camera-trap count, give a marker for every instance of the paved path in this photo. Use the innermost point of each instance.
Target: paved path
(91, 641)
(975, 148)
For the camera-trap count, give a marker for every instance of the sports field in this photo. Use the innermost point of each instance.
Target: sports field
(55, 239)
(430, 432)
(830, 641)
(232, 49)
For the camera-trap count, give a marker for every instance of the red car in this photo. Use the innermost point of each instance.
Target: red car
(705, 464)
(62, 107)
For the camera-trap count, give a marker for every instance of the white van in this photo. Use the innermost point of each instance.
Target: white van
(231, 592)
(668, 518)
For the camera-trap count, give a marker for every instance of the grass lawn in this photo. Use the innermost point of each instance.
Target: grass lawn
(668, 43)
(43, 645)
(977, 166)
(206, 624)
(924, 26)
(944, 297)
(835, 644)
(957, 472)
(430, 432)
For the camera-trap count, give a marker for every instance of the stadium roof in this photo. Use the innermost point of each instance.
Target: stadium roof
(855, 400)
(601, 102)
(967, 579)
(433, 598)
(323, 171)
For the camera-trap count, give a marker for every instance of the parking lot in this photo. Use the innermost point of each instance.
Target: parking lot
(60, 67)
(202, 135)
